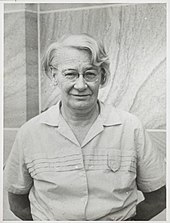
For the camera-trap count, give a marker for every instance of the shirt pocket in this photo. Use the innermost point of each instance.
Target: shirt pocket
(122, 169)
(120, 161)
(114, 160)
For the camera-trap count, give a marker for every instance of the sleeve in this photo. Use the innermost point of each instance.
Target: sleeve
(151, 174)
(16, 176)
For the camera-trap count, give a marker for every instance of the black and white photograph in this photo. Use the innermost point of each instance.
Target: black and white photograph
(84, 111)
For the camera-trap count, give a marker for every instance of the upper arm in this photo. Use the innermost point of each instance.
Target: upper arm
(20, 205)
(157, 195)
(17, 179)
(17, 201)
(151, 163)
(156, 199)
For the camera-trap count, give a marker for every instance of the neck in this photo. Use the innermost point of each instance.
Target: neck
(80, 117)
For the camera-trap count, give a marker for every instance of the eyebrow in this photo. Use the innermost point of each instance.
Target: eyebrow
(91, 67)
(69, 69)
(74, 69)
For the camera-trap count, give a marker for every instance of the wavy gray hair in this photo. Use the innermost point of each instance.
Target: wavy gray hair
(83, 41)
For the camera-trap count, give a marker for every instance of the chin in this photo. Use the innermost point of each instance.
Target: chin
(81, 106)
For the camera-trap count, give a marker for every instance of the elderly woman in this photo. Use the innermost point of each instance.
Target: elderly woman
(82, 159)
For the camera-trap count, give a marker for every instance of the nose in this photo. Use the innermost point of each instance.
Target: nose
(80, 83)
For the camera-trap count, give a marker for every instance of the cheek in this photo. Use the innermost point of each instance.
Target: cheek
(64, 86)
(96, 87)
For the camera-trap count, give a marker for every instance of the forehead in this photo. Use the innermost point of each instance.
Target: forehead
(67, 56)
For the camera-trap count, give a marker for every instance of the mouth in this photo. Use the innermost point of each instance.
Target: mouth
(81, 95)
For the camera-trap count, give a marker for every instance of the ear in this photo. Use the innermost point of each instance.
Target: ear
(52, 73)
(53, 76)
(103, 77)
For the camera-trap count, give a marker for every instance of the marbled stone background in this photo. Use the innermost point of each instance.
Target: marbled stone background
(135, 38)
(21, 92)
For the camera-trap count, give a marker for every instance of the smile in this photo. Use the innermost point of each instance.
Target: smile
(79, 95)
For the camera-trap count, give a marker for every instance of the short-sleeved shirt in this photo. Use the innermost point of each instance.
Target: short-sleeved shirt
(96, 180)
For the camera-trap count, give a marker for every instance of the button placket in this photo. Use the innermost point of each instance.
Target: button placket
(84, 197)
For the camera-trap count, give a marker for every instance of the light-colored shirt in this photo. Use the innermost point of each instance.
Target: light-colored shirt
(97, 180)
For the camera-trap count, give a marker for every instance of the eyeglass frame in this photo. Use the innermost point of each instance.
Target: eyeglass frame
(78, 75)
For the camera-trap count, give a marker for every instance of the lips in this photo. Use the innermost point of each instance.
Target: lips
(80, 95)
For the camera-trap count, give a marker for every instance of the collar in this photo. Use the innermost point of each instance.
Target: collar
(51, 116)
(109, 115)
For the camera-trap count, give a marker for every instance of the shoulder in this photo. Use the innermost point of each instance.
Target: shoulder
(113, 114)
(128, 117)
(48, 117)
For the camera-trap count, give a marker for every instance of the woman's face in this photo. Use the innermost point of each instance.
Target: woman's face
(78, 94)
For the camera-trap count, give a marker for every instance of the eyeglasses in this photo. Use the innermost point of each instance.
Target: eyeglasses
(90, 75)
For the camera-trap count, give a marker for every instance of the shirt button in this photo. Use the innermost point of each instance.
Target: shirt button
(76, 167)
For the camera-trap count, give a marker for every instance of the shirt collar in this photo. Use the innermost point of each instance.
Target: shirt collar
(109, 115)
(51, 116)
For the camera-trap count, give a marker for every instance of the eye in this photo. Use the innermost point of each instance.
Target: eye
(70, 75)
(90, 75)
